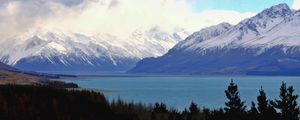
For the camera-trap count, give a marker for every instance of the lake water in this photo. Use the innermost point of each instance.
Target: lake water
(179, 92)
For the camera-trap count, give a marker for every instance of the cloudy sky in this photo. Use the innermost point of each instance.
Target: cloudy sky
(121, 17)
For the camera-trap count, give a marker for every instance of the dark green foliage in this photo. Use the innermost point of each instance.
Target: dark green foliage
(262, 102)
(265, 109)
(235, 108)
(48, 103)
(175, 115)
(194, 108)
(60, 84)
(160, 108)
(287, 103)
(217, 115)
(160, 112)
(253, 113)
(194, 112)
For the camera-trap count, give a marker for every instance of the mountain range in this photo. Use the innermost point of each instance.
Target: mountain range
(74, 53)
(266, 44)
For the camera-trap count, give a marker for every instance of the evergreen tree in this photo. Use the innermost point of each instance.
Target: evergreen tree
(194, 112)
(160, 108)
(293, 109)
(217, 115)
(194, 108)
(266, 111)
(262, 102)
(287, 103)
(282, 103)
(160, 112)
(272, 113)
(235, 108)
(253, 113)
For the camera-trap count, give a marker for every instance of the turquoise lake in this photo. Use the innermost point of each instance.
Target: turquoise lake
(178, 92)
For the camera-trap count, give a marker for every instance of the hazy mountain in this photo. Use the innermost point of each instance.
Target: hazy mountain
(6, 67)
(58, 52)
(268, 43)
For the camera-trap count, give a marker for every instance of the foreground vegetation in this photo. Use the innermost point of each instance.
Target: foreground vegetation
(48, 103)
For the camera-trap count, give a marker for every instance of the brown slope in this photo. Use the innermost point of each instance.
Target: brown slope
(7, 77)
(10, 75)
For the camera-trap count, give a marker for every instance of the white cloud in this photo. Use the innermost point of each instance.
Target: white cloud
(118, 17)
(213, 17)
(296, 4)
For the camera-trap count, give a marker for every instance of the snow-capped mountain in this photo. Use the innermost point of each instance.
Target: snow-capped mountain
(268, 43)
(78, 53)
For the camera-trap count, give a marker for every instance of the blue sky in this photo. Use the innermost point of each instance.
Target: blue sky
(237, 5)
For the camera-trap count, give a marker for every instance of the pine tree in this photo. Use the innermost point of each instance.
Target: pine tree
(235, 108)
(266, 111)
(293, 110)
(272, 113)
(160, 108)
(262, 102)
(253, 113)
(160, 112)
(287, 103)
(194, 113)
(194, 108)
(282, 103)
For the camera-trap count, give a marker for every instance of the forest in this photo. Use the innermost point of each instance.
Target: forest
(49, 103)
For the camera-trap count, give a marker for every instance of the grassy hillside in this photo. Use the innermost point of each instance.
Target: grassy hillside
(16, 78)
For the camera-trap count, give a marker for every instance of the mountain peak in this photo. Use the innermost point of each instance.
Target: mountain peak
(265, 44)
(280, 10)
(204, 34)
(212, 31)
(224, 24)
(281, 5)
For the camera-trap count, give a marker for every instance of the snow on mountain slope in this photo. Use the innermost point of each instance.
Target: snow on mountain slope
(58, 51)
(268, 43)
(247, 32)
(203, 35)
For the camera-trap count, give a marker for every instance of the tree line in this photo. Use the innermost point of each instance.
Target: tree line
(48, 103)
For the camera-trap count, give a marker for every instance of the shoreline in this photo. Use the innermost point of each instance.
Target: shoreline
(93, 89)
(130, 75)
